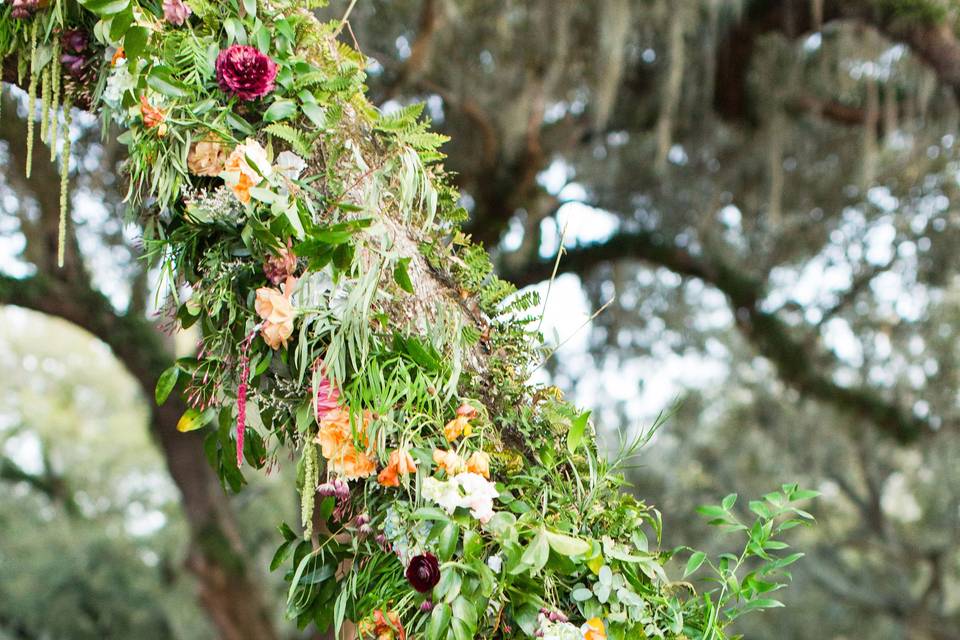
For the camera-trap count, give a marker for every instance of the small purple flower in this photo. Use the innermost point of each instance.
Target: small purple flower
(176, 12)
(74, 43)
(423, 572)
(426, 606)
(73, 64)
(75, 40)
(245, 72)
(25, 8)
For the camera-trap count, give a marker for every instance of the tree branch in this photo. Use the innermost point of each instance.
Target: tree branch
(772, 337)
(933, 43)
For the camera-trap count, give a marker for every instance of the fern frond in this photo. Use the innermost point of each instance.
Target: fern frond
(300, 142)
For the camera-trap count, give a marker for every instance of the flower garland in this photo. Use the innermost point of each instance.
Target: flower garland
(313, 242)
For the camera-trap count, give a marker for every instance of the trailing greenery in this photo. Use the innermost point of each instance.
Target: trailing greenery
(313, 242)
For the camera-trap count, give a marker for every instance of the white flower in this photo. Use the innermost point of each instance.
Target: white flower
(559, 630)
(290, 165)
(118, 82)
(251, 160)
(467, 490)
(479, 495)
(495, 563)
(445, 493)
(317, 290)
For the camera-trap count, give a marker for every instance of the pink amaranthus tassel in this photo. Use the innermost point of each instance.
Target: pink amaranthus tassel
(242, 392)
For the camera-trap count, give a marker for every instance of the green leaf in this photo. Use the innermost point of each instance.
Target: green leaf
(449, 586)
(134, 42)
(431, 513)
(250, 6)
(537, 553)
(316, 114)
(239, 124)
(567, 545)
(696, 559)
(401, 276)
(192, 419)
(804, 494)
(263, 195)
(729, 501)
(447, 541)
(105, 7)
(119, 25)
(439, 621)
(463, 610)
(472, 544)
(166, 383)
(281, 555)
(577, 430)
(280, 110)
(162, 81)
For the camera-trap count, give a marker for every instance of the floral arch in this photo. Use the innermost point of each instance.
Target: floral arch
(347, 324)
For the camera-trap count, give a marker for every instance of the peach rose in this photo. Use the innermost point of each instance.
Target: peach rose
(246, 167)
(335, 438)
(275, 308)
(208, 158)
(276, 335)
(352, 464)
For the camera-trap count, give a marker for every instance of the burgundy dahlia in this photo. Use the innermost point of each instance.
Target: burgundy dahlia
(423, 573)
(245, 72)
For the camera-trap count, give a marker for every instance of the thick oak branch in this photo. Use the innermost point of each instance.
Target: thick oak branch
(770, 335)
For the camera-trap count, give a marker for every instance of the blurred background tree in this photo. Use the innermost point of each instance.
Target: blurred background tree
(764, 190)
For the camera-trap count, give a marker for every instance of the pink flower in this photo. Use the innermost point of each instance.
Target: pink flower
(25, 8)
(245, 72)
(176, 12)
(328, 398)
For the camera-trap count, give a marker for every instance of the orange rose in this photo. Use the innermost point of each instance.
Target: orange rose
(448, 461)
(401, 463)
(479, 463)
(335, 432)
(336, 441)
(352, 464)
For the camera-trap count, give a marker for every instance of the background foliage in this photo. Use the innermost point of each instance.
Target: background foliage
(766, 188)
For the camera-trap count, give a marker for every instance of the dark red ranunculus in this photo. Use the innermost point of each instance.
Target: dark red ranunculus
(423, 572)
(245, 72)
